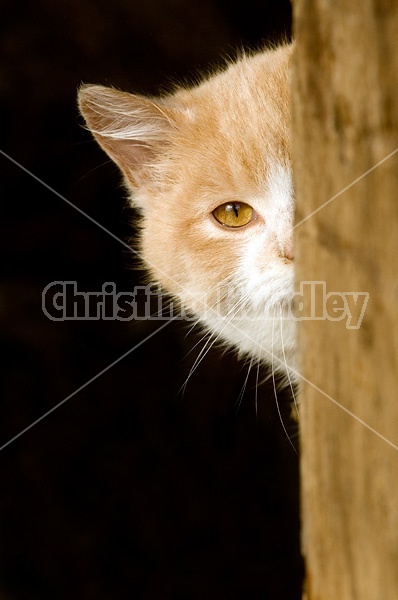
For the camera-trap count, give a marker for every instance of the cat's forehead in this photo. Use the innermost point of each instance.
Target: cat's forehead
(235, 126)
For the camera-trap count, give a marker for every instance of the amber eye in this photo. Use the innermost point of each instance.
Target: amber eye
(234, 214)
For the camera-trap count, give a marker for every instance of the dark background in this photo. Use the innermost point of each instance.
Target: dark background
(129, 489)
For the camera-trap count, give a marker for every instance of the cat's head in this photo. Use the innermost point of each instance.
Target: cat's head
(209, 168)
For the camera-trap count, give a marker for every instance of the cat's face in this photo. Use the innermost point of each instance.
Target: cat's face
(210, 170)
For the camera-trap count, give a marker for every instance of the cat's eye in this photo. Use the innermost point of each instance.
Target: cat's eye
(234, 214)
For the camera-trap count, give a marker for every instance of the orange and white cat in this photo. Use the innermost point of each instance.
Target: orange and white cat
(209, 168)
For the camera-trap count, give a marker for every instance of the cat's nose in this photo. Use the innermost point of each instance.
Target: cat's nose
(287, 251)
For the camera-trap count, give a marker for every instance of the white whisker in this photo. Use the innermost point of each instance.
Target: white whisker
(275, 391)
(240, 397)
(256, 391)
(206, 348)
(287, 368)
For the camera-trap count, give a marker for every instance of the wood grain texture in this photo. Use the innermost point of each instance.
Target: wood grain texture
(345, 122)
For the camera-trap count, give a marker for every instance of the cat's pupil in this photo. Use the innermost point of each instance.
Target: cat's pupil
(235, 208)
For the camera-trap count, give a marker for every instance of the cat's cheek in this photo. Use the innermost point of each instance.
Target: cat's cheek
(182, 263)
(159, 259)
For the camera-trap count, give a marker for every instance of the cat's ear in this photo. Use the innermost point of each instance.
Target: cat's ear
(131, 129)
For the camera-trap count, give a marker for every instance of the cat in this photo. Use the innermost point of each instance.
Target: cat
(209, 169)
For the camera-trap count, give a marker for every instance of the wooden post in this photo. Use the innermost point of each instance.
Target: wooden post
(345, 139)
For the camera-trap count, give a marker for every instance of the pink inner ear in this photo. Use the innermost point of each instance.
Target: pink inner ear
(129, 154)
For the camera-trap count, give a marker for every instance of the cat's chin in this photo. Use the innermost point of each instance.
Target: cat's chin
(268, 339)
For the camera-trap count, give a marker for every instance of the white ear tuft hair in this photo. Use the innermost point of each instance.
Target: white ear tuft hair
(128, 127)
